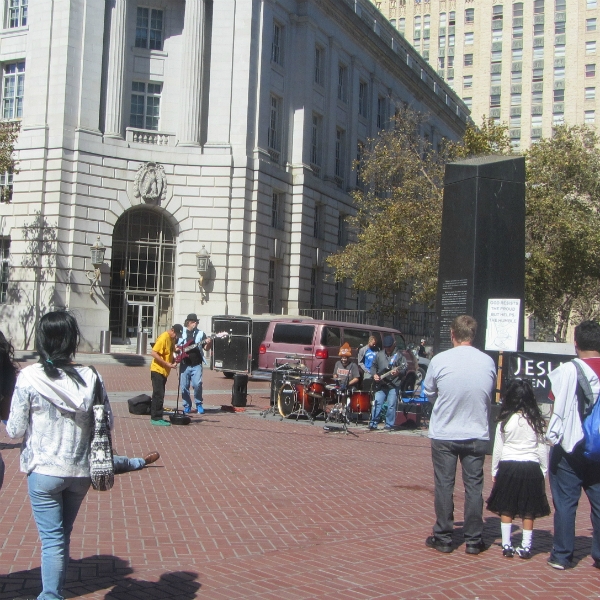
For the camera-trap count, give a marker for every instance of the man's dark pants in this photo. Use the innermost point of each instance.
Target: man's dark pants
(445, 455)
(159, 383)
(569, 473)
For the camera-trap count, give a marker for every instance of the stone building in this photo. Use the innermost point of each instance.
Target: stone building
(530, 65)
(169, 130)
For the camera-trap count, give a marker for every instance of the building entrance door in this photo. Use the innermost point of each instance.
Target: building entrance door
(142, 275)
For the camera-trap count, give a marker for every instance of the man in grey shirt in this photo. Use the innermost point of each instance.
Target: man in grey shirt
(460, 383)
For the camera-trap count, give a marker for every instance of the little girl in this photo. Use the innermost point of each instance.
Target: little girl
(519, 464)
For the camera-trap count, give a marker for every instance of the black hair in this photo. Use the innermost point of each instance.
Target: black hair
(8, 369)
(519, 397)
(587, 336)
(57, 340)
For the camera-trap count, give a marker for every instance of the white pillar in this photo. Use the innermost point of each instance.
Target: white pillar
(191, 73)
(116, 70)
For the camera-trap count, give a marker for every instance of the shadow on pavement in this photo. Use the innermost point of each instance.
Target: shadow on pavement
(101, 572)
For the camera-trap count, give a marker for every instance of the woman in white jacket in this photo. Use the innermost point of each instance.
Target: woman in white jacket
(52, 410)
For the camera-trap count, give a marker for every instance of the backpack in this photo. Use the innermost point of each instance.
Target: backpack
(589, 412)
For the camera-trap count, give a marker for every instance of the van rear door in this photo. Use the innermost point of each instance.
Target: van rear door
(289, 342)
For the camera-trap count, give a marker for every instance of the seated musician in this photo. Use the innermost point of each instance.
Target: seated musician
(345, 373)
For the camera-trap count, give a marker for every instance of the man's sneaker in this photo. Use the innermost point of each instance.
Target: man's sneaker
(433, 542)
(200, 409)
(372, 427)
(388, 428)
(160, 423)
(523, 552)
(556, 565)
(475, 548)
(508, 551)
(187, 411)
(596, 563)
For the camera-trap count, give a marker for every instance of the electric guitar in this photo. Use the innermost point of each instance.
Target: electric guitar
(185, 349)
(395, 365)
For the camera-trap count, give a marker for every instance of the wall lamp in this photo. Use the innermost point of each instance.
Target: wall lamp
(97, 252)
(202, 266)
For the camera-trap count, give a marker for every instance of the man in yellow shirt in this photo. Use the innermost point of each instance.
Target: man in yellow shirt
(162, 363)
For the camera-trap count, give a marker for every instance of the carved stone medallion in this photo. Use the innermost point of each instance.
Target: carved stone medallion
(150, 183)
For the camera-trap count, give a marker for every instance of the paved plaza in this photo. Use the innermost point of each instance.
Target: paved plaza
(240, 506)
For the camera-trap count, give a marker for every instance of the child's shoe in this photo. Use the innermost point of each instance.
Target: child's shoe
(508, 551)
(523, 552)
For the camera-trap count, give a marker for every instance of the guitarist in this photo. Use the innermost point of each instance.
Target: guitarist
(388, 369)
(191, 367)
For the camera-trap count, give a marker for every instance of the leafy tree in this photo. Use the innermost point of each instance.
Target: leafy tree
(399, 213)
(563, 228)
(9, 131)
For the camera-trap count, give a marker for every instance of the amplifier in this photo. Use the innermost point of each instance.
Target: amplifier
(408, 414)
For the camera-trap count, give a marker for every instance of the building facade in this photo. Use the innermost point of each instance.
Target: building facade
(169, 130)
(530, 64)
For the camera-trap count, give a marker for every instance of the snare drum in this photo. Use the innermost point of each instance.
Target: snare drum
(360, 402)
(309, 396)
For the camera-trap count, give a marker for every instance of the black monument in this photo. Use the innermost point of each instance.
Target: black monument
(482, 252)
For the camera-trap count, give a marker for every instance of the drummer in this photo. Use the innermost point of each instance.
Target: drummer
(345, 373)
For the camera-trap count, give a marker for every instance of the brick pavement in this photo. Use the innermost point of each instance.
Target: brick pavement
(245, 507)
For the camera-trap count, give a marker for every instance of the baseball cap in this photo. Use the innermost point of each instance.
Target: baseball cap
(388, 341)
(177, 328)
(192, 317)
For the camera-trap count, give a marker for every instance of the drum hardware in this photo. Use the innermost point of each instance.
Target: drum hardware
(338, 414)
(289, 374)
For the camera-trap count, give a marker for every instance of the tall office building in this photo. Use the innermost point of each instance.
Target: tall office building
(530, 64)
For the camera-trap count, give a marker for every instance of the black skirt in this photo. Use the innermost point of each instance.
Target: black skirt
(519, 491)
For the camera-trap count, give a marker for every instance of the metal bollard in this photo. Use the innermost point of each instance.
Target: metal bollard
(105, 339)
(142, 343)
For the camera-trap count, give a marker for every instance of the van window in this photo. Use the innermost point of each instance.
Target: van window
(356, 337)
(377, 337)
(331, 336)
(287, 333)
(400, 344)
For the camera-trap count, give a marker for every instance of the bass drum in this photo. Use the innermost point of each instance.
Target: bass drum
(360, 402)
(286, 399)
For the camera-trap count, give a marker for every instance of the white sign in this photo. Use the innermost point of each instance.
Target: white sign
(502, 332)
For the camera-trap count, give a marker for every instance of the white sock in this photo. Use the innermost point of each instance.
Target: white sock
(506, 529)
(527, 535)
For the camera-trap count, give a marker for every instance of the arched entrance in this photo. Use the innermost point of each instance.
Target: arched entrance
(142, 275)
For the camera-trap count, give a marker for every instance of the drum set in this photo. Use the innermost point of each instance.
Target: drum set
(299, 393)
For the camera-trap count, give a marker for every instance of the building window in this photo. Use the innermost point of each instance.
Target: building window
(560, 28)
(360, 152)
(4, 268)
(468, 102)
(536, 120)
(363, 105)
(469, 36)
(496, 35)
(559, 73)
(339, 156)
(559, 50)
(559, 95)
(339, 299)
(319, 54)
(494, 100)
(468, 81)
(517, 33)
(417, 27)
(537, 97)
(17, 13)
(590, 24)
(497, 56)
(342, 83)
(276, 44)
(560, 5)
(538, 7)
(450, 62)
(495, 78)
(497, 12)
(516, 77)
(6, 186)
(381, 113)
(441, 62)
(273, 135)
(538, 75)
(468, 60)
(271, 289)
(442, 21)
(538, 53)
(517, 9)
(426, 26)
(402, 25)
(515, 121)
(314, 287)
(12, 90)
(145, 105)
(515, 99)
(318, 221)
(538, 30)
(276, 210)
(149, 28)
(517, 54)
(590, 70)
(558, 119)
(590, 93)
(590, 47)
(442, 42)
(341, 230)
(590, 117)
(452, 18)
(315, 145)
(470, 15)
(591, 3)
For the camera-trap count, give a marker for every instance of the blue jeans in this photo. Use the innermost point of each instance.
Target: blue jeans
(191, 376)
(569, 473)
(391, 395)
(445, 455)
(123, 464)
(55, 502)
